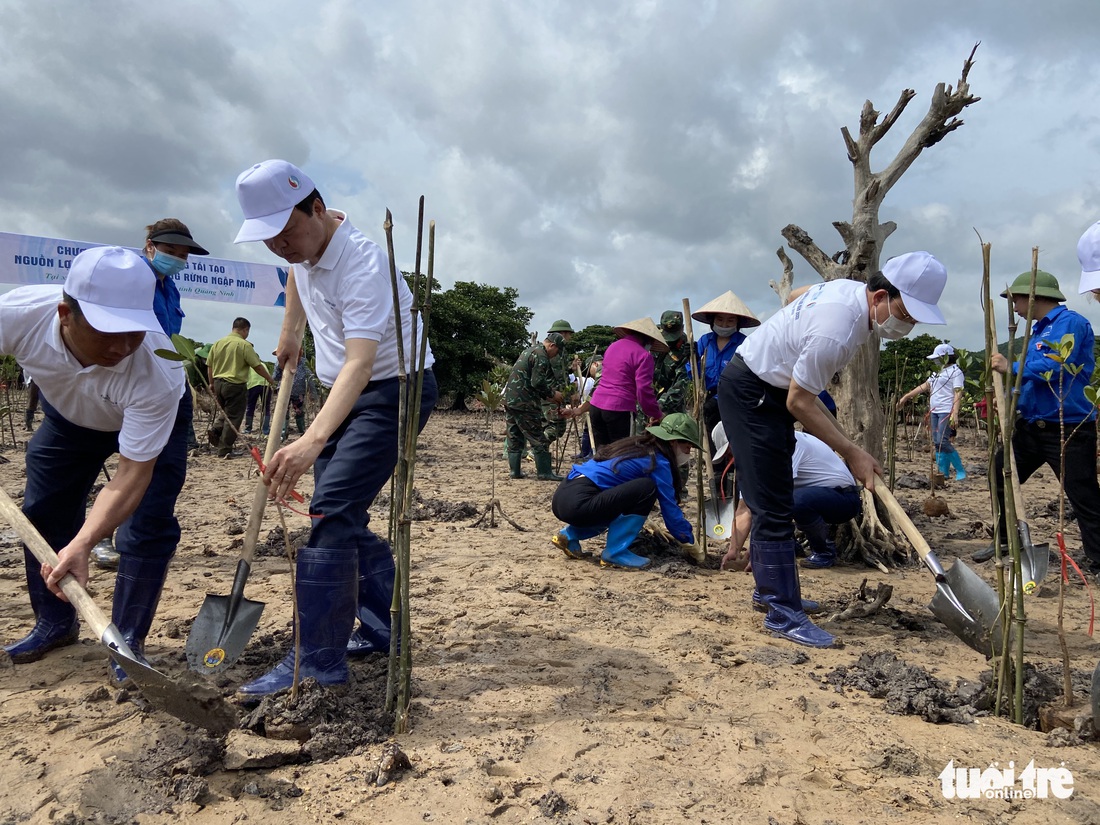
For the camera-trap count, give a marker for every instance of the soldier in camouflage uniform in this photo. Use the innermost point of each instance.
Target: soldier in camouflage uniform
(531, 385)
(554, 423)
(671, 379)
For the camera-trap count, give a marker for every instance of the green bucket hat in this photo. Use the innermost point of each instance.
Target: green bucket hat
(677, 427)
(1046, 286)
(561, 325)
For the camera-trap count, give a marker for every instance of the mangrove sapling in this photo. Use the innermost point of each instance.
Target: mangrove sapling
(491, 396)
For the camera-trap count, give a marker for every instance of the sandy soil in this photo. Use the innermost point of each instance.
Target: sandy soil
(550, 689)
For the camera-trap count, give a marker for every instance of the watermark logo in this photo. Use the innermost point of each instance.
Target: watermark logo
(1004, 783)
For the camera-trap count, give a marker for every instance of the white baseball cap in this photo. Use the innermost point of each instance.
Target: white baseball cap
(1088, 253)
(721, 443)
(920, 279)
(267, 193)
(941, 351)
(115, 289)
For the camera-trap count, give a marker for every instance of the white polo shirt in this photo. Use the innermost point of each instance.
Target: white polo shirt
(814, 464)
(348, 294)
(138, 397)
(812, 338)
(942, 387)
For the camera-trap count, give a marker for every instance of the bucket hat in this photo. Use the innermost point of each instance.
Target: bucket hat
(677, 427)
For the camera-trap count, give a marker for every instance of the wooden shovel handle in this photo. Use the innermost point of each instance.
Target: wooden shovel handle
(882, 492)
(42, 551)
(274, 436)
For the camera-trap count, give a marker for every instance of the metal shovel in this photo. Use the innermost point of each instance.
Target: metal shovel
(224, 625)
(718, 515)
(1034, 558)
(963, 601)
(195, 704)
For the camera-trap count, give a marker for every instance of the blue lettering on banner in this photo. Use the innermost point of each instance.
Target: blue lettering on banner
(32, 260)
(246, 284)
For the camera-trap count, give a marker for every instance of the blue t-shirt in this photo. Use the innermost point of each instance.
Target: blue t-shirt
(612, 473)
(714, 358)
(166, 303)
(1038, 393)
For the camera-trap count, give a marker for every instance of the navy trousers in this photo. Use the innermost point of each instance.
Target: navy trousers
(357, 461)
(63, 461)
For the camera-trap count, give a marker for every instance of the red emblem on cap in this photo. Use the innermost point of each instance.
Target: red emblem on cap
(293, 181)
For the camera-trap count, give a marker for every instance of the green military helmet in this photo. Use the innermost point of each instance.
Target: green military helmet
(677, 427)
(556, 338)
(561, 325)
(1046, 286)
(672, 325)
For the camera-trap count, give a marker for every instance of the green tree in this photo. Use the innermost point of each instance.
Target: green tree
(586, 340)
(473, 328)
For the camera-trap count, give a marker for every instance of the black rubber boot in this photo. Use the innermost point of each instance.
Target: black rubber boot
(822, 549)
(138, 585)
(55, 623)
(515, 465)
(374, 597)
(325, 588)
(300, 423)
(544, 467)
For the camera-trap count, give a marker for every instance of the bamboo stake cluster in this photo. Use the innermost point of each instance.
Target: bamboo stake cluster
(399, 674)
(697, 382)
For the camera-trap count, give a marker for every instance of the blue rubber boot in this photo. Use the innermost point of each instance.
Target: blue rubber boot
(957, 463)
(55, 623)
(822, 549)
(569, 538)
(777, 580)
(808, 605)
(620, 535)
(325, 585)
(138, 585)
(943, 464)
(374, 597)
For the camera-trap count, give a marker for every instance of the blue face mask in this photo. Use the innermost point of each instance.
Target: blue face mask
(167, 265)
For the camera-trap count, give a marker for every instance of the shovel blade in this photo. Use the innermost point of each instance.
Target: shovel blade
(1034, 564)
(217, 638)
(718, 518)
(978, 624)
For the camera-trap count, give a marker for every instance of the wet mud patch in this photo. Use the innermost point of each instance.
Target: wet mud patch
(329, 722)
(431, 509)
(908, 690)
(478, 432)
(275, 543)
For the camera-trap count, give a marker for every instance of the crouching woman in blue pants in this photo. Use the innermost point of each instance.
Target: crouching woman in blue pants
(618, 487)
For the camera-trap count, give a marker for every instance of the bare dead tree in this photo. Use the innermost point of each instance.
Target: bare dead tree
(858, 404)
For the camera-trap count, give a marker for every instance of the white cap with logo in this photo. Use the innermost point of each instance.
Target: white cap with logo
(268, 193)
(115, 289)
(941, 351)
(920, 279)
(1088, 253)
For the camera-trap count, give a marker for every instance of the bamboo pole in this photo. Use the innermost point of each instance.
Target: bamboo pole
(699, 552)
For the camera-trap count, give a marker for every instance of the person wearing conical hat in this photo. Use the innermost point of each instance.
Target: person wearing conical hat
(1051, 398)
(726, 316)
(774, 381)
(626, 381)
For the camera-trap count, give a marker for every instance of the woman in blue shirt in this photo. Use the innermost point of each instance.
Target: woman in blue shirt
(617, 488)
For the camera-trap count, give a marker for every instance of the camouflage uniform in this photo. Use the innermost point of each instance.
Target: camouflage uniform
(529, 386)
(671, 379)
(554, 424)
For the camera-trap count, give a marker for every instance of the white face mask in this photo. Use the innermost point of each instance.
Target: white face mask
(682, 458)
(723, 332)
(892, 328)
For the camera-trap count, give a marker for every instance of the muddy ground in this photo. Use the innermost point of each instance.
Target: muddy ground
(547, 689)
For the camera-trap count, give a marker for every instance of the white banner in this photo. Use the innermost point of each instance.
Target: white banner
(26, 259)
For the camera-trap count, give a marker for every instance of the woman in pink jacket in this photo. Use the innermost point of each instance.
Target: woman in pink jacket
(626, 381)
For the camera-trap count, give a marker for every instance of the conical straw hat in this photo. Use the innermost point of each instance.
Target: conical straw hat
(646, 327)
(730, 304)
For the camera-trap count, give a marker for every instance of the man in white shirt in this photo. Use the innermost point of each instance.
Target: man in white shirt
(340, 282)
(774, 380)
(91, 348)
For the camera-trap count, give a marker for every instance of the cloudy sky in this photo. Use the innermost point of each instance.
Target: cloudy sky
(606, 159)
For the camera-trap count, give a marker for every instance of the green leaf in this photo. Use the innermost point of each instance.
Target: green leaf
(169, 355)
